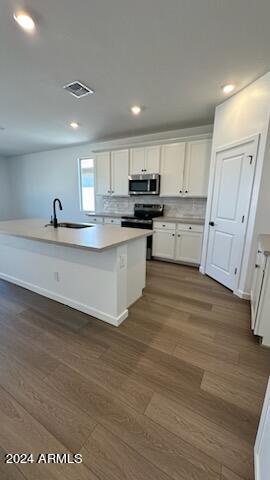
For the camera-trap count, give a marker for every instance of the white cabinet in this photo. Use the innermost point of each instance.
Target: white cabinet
(103, 173)
(197, 167)
(163, 243)
(188, 247)
(257, 283)
(112, 221)
(182, 242)
(185, 168)
(172, 169)
(145, 160)
(260, 293)
(112, 173)
(95, 219)
(119, 172)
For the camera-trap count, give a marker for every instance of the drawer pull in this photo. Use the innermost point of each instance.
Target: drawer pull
(190, 228)
(257, 266)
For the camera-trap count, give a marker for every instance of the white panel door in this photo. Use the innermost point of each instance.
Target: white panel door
(262, 445)
(119, 172)
(188, 247)
(197, 168)
(163, 244)
(152, 159)
(233, 181)
(172, 169)
(137, 161)
(103, 173)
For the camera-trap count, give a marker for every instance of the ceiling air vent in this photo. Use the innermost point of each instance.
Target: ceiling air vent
(78, 89)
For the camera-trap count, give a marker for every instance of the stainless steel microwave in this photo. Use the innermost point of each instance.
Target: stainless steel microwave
(144, 184)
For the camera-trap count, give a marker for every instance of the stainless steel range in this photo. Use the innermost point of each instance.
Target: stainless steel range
(143, 218)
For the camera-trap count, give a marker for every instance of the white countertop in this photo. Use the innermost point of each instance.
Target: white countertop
(190, 220)
(97, 237)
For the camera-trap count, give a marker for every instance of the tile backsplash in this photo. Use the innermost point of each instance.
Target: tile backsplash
(173, 207)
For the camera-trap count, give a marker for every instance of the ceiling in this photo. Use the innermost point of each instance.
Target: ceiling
(170, 56)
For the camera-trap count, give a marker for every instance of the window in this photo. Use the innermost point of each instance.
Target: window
(87, 184)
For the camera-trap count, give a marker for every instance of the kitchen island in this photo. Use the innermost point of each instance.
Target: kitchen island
(99, 270)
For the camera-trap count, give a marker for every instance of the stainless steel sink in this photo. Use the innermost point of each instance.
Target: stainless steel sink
(73, 225)
(70, 225)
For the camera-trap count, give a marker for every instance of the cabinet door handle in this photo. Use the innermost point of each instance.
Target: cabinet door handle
(186, 191)
(190, 228)
(212, 224)
(173, 235)
(257, 266)
(180, 191)
(178, 235)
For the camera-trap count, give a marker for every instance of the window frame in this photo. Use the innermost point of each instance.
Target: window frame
(88, 157)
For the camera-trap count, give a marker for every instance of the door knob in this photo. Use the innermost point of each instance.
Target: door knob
(212, 224)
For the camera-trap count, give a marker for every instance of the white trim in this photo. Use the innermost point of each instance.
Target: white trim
(115, 321)
(241, 294)
(145, 143)
(202, 270)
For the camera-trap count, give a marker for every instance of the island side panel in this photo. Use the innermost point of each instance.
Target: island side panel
(136, 269)
(85, 280)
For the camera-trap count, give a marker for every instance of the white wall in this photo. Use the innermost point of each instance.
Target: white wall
(37, 178)
(243, 115)
(5, 196)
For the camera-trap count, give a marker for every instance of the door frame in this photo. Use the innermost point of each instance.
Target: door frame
(255, 139)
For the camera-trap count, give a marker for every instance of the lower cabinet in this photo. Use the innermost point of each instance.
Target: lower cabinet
(178, 242)
(163, 244)
(112, 221)
(188, 247)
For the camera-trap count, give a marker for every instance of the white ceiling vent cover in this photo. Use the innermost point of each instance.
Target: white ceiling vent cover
(78, 90)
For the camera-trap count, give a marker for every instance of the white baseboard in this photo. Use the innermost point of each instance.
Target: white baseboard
(116, 321)
(241, 294)
(202, 270)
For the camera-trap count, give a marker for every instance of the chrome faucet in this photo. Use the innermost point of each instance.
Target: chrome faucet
(54, 220)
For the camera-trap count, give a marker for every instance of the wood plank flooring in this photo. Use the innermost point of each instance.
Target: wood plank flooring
(174, 393)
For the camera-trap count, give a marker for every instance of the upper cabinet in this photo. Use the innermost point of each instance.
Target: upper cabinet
(172, 169)
(103, 173)
(112, 173)
(197, 166)
(119, 172)
(183, 166)
(185, 169)
(145, 160)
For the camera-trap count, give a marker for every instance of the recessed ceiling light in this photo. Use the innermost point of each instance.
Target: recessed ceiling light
(25, 21)
(74, 125)
(136, 109)
(228, 88)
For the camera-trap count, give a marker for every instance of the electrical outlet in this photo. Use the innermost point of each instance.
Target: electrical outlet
(56, 276)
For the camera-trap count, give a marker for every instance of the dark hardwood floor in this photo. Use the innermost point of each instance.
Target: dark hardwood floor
(174, 393)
